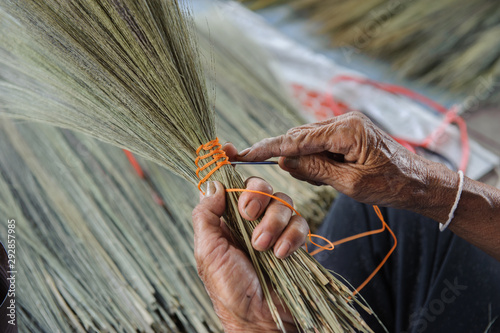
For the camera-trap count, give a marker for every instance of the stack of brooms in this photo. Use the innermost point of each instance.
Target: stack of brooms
(96, 251)
(451, 43)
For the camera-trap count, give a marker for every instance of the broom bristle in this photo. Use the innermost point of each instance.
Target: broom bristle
(79, 210)
(127, 72)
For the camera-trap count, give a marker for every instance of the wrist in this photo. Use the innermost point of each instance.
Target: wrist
(433, 188)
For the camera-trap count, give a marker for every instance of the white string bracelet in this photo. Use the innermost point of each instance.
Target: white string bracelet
(442, 227)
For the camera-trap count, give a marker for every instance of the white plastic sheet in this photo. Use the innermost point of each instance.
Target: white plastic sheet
(400, 116)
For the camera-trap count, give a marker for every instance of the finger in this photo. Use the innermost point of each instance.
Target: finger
(253, 205)
(230, 151)
(273, 223)
(338, 135)
(293, 237)
(312, 168)
(319, 170)
(292, 143)
(297, 141)
(298, 177)
(206, 215)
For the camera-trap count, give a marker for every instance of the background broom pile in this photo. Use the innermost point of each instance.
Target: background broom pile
(96, 252)
(451, 43)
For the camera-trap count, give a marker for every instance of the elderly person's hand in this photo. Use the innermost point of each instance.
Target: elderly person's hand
(351, 154)
(358, 159)
(226, 270)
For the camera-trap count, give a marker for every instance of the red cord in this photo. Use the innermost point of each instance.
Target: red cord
(450, 114)
(135, 164)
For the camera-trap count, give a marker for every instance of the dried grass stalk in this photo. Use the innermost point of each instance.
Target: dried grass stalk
(127, 72)
(252, 104)
(96, 253)
(451, 43)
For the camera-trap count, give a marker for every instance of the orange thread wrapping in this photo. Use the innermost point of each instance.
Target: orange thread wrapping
(216, 153)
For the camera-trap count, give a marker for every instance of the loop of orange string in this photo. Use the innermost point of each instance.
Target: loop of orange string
(375, 271)
(309, 235)
(216, 153)
(219, 158)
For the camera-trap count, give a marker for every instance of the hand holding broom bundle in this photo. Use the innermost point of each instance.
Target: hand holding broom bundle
(127, 72)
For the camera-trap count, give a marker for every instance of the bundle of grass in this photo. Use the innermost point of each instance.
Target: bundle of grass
(451, 43)
(96, 252)
(127, 72)
(252, 104)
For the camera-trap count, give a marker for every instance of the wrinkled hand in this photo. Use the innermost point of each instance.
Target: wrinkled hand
(226, 270)
(351, 154)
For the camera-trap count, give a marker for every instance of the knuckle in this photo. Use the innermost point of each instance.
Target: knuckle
(251, 180)
(197, 214)
(360, 120)
(358, 115)
(301, 228)
(257, 183)
(275, 224)
(284, 197)
(356, 122)
(292, 137)
(292, 132)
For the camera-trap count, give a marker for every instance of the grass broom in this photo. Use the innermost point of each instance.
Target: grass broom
(127, 73)
(102, 163)
(252, 104)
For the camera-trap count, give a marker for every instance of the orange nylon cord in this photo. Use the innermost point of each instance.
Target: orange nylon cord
(266, 194)
(310, 235)
(350, 238)
(364, 234)
(215, 151)
(375, 271)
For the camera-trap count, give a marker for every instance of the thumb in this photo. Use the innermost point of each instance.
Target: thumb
(207, 216)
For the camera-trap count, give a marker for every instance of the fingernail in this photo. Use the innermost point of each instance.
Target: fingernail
(291, 162)
(263, 241)
(210, 189)
(244, 152)
(282, 250)
(253, 209)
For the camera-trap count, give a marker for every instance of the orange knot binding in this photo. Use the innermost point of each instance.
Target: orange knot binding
(219, 158)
